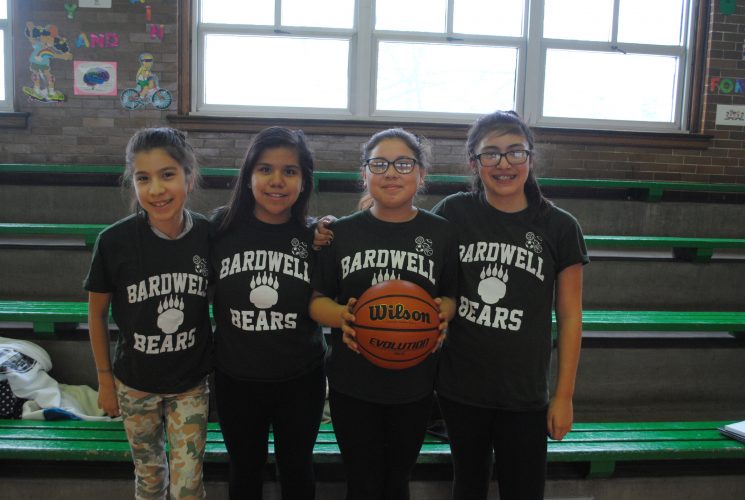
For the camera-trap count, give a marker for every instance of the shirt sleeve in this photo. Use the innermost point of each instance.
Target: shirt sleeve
(98, 279)
(573, 247)
(324, 277)
(451, 265)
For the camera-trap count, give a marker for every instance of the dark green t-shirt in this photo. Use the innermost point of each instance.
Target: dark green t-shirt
(262, 274)
(159, 302)
(498, 351)
(366, 251)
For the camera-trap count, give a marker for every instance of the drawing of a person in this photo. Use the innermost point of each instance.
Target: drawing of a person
(146, 80)
(47, 45)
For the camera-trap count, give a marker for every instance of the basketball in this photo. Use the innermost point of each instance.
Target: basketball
(396, 324)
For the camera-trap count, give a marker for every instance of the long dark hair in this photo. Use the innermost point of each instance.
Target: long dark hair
(170, 140)
(242, 201)
(417, 144)
(503, 123)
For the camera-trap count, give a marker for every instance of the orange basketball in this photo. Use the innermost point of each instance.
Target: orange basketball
(396, 324)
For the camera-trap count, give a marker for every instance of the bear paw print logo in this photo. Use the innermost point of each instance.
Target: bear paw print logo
(533, 242)
(299, 248)
(170, 314)
(493, 285)
(264, 291)
(423, 245)
(200, 265)
(387, 276)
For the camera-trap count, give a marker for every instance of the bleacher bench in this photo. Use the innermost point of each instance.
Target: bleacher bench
(600, 446)
(47, 316)
(648, 190)
(690, 249)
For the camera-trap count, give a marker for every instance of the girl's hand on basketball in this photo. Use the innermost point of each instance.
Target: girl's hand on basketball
(322, 235)
(348, 335)
(446, 305)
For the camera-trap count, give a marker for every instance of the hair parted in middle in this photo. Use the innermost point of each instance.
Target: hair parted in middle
(419, 145)
(242, 201)
(503, 123)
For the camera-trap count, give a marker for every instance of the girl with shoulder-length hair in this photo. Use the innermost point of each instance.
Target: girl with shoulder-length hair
(380, 415)
(269, 352)
(519, 256)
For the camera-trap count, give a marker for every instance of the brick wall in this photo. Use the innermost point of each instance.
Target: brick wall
(94, 130)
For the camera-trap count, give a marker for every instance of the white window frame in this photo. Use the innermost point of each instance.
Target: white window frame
(6, 105)
(362, 79)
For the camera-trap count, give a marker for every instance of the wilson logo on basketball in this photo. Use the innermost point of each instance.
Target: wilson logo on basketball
(387, 312)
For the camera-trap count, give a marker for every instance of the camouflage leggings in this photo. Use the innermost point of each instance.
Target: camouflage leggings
(185, 419)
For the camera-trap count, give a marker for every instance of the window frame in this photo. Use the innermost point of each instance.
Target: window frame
(6, 25)
(535, 76)
(691, 121)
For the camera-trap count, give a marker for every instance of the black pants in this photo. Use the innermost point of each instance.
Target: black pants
(379, 444)
(517, 439)
(293, 408)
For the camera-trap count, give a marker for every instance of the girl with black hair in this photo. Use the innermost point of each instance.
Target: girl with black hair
(519, 256)
(152, 269)
(380, 416)
(269, 352)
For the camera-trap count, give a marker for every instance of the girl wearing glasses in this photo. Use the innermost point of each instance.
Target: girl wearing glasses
(380, 416)
(518, 254)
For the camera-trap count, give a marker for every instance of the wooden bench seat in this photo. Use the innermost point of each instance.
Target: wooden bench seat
(684, 248)
(47, 315)
(598, 445)
(647, 190)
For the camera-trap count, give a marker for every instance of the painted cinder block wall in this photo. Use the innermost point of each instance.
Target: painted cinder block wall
(94, 130)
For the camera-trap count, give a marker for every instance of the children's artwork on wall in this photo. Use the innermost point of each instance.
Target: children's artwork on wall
(95, 4)
(727, 7)
(157, 31)
(97, 40)
(148, 91)
(46, 45)
(726, 85)
(70, 8)
(730, 115)
(95, 78)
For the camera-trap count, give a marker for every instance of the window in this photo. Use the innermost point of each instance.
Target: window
(608, 64)
(6, 61)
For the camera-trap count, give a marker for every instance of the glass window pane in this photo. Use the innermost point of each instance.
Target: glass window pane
(3, 9)
(578, 19)
(445, 78)
(496, 18)
(318, 13)
(657, 22)
(294, 72)
(633, 86)
(238, 11)
(2, 65)
(411, 15)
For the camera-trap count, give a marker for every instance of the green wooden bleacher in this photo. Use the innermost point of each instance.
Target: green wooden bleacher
(683, 248)
(599, 446)
(649, 190)
(48, 316)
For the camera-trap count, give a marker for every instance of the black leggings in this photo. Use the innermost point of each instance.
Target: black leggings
(517, 439)
(379, 444)
(293, 408)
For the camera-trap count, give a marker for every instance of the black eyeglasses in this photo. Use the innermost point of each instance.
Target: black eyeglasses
(402, 165)
(492, 158)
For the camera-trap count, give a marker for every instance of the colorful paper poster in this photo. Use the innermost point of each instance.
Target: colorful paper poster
(95, 78)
